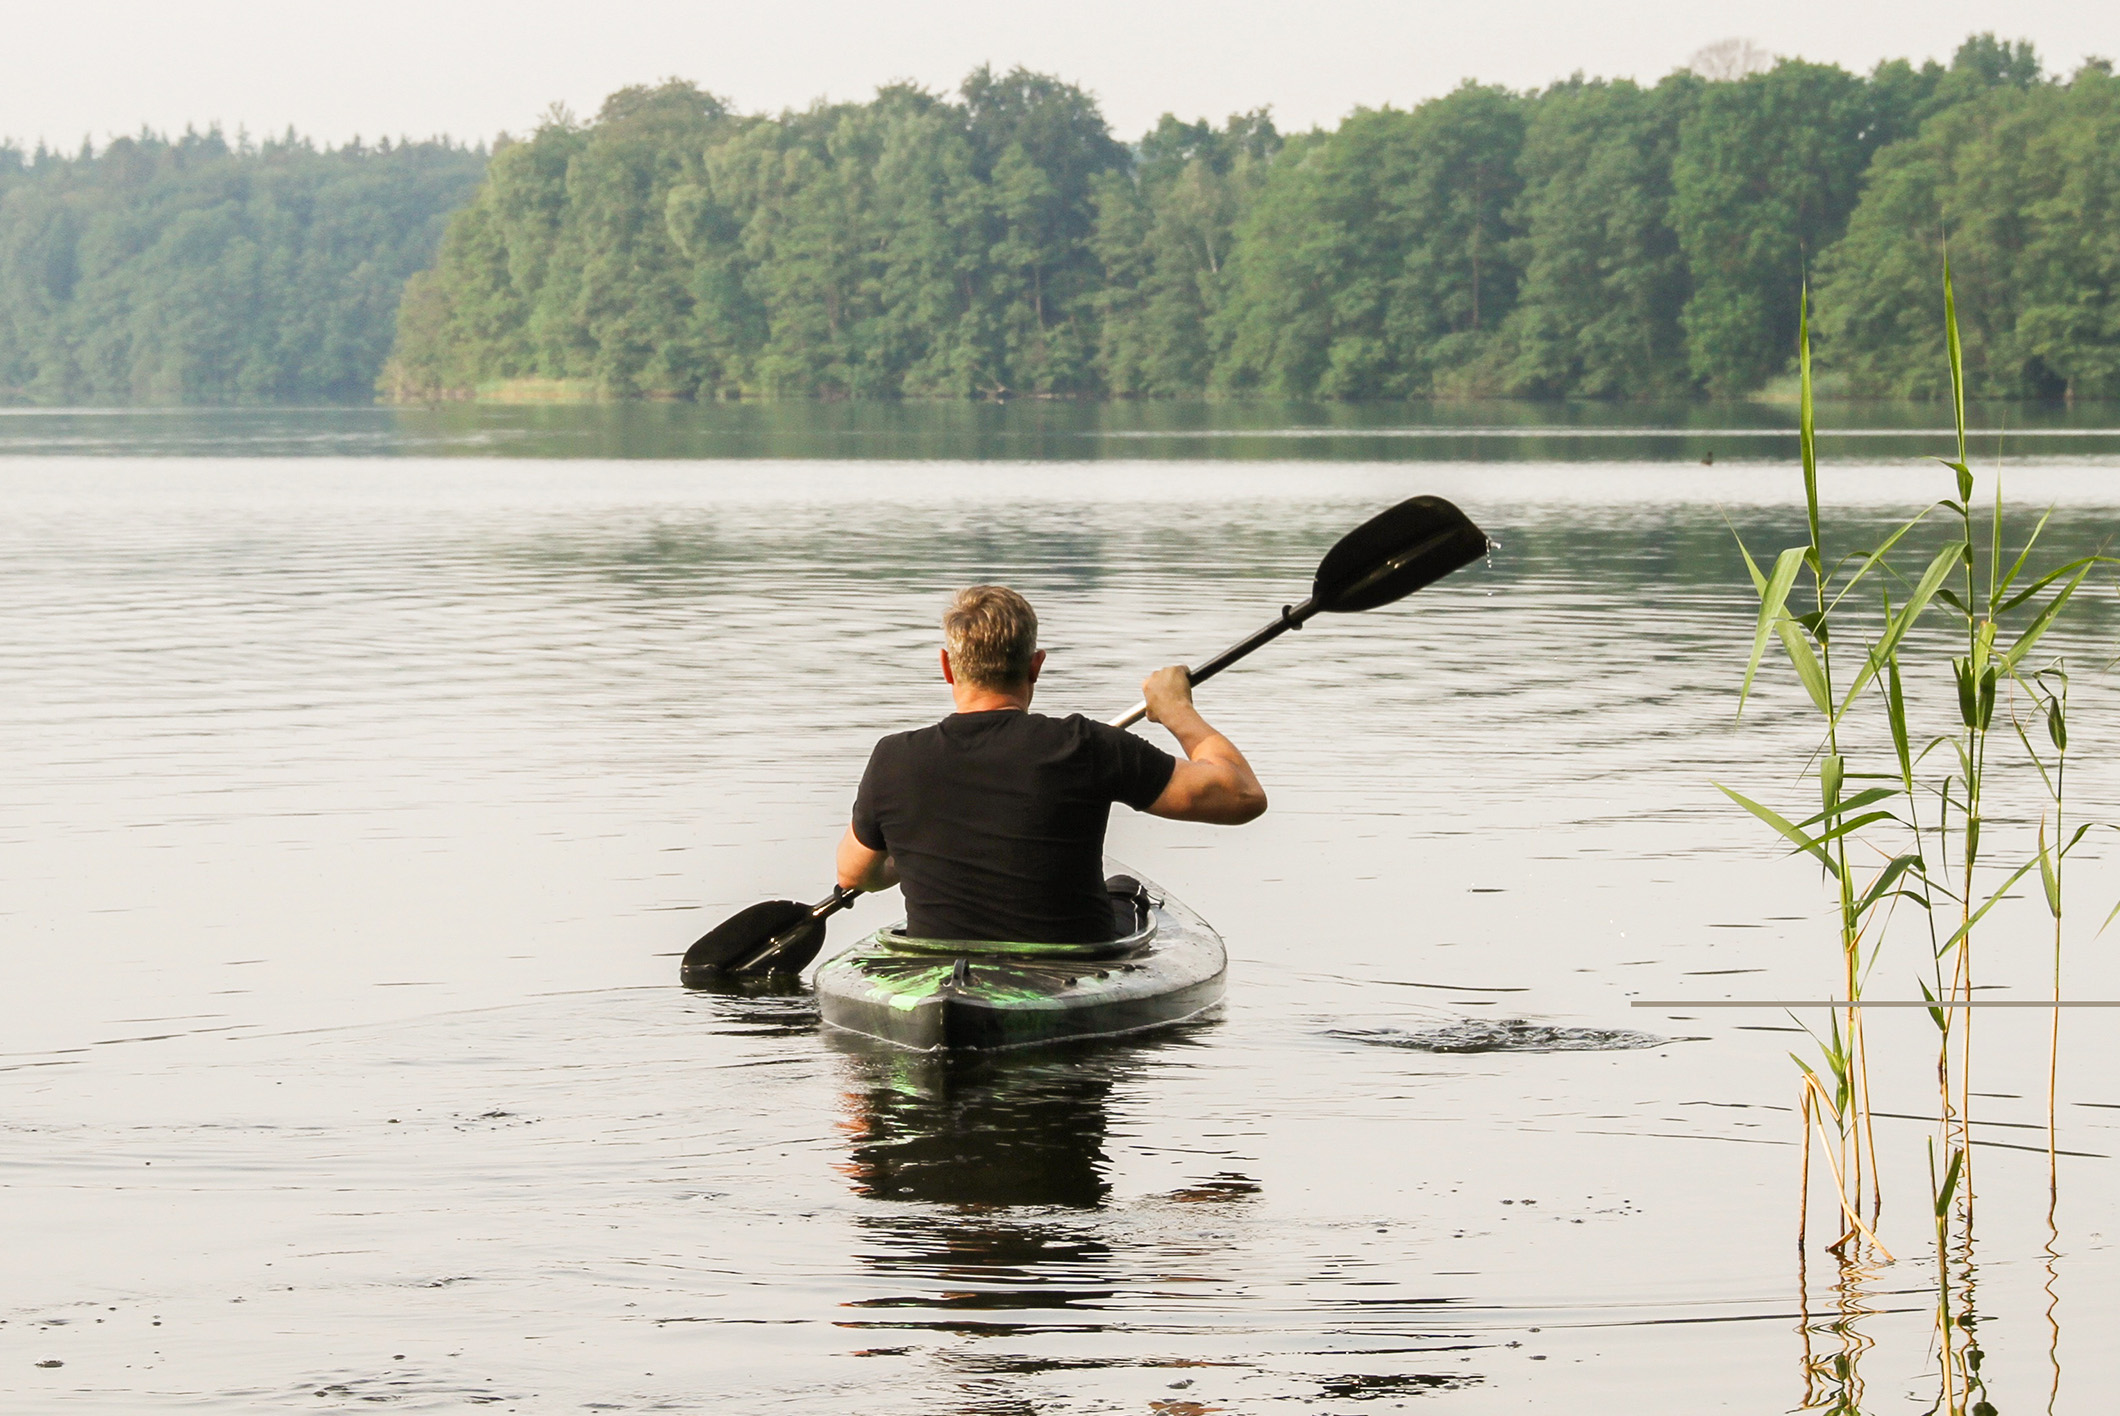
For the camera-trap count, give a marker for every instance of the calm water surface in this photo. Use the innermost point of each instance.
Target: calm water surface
(357, 809)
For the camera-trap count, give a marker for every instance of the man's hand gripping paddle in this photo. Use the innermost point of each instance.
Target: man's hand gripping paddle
(1386, 558)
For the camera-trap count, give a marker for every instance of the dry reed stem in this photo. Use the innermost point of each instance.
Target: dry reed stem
(1839, 1181)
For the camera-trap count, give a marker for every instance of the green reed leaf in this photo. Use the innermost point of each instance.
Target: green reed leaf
(1895, 702)
(1867, 797)
(1853, 824)
(1773, 595)
(1871, 559)
(1759, 580)
(2017, 566)
(2032, 590)
(1809, 671)
(1781, 823)
(1893, 870)
(1949, 1187)
(1995, 549)
(2032, 753)
(1992, 900)
(2042, 621)
(1897, 626)
(1957, 354)
(1968, 679)
(2049, 876)
(1807, 423)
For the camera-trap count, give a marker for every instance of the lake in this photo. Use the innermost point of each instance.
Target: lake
(367, 771)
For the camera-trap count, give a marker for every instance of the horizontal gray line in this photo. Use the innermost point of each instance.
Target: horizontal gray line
(1875, 1003)
(1552, 432)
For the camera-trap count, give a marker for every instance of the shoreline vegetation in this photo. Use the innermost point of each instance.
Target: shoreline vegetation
(1591, 241)
(197, 270)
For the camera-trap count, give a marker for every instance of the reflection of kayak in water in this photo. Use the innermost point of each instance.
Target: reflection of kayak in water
(1166, 966)
(981, 1128)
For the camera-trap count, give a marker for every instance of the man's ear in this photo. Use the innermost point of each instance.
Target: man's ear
(1037, 663)
(947, 676)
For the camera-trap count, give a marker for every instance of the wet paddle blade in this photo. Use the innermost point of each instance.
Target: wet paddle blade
(1393, 554)
(730, 947)
(789, 953)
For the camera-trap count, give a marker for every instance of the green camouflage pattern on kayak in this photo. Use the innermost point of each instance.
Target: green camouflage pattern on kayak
(991, 994)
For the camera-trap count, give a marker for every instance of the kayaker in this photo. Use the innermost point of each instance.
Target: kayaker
(993, 819)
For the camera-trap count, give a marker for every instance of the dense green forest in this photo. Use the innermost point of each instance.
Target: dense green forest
(1595, 239)
(196, 271)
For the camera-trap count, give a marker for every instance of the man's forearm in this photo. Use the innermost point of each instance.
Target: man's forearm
(1200, 740)
(879, 874)
(861, 868)
(1183, 722)
(1214, 784)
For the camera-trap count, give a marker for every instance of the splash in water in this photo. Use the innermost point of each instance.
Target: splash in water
(1502, 1035)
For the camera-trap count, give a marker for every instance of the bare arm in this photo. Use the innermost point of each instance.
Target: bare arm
(1214, 784)
(863, 869)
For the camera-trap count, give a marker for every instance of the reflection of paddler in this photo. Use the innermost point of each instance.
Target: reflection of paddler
(982, 1129)
(1008, 1231)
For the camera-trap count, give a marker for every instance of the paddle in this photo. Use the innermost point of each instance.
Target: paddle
(1386, 558)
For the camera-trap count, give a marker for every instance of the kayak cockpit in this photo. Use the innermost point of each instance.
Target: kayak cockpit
(1133, 912)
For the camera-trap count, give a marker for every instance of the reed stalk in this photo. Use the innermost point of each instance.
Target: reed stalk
(1936, 859)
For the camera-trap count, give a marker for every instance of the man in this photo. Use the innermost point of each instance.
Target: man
(993, 819)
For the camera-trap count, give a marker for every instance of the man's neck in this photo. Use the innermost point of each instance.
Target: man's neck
(978, 698)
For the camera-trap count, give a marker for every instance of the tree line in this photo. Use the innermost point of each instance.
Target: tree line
(195, 270)
(1594, 239)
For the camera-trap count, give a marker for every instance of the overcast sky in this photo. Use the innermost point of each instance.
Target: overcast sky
(472, 68)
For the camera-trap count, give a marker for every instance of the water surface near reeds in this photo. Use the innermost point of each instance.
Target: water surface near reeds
(356, 809)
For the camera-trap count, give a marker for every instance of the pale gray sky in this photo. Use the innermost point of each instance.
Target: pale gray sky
(471, 68)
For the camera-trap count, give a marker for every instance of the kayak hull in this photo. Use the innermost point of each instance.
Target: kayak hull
(914, 995)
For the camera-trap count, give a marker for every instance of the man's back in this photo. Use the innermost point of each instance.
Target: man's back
(996, 821)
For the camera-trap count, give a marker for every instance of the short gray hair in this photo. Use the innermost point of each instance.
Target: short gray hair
(991, 633)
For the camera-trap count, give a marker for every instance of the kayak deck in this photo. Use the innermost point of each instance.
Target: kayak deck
(924, 995)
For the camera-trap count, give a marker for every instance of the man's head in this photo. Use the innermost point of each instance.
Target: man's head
(990, 639)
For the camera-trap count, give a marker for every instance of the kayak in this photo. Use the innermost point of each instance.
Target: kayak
(1166, 965)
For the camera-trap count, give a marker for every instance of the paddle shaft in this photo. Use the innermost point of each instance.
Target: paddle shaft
(1292, 617)
(840, 898)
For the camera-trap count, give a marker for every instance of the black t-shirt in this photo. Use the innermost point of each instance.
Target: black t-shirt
(996, 821)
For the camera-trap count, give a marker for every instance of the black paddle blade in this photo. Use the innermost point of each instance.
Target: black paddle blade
(789, 953)
(736, 945)
(1391, 555)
